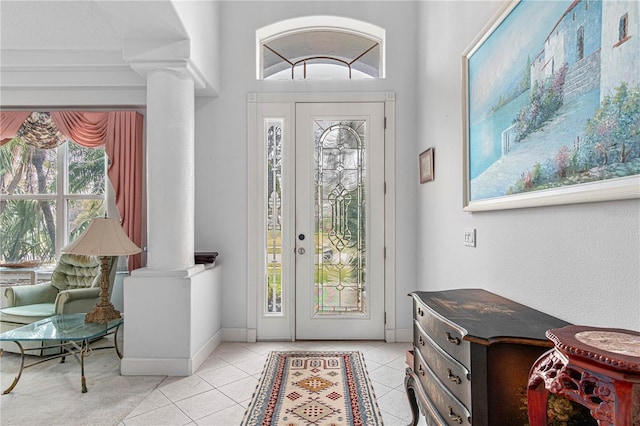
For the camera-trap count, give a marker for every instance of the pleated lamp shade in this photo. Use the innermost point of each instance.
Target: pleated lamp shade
(103, 237)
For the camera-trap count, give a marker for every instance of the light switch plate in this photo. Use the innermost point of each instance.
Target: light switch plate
(470, 237)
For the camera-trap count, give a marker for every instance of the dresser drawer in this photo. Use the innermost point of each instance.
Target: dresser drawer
(443, 334)
(450, 372)
(449, 407)
(432, 416)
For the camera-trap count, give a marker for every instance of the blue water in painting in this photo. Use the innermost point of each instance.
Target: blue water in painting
(486, 136)
(496, 69)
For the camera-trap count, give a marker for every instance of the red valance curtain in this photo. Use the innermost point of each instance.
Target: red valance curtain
(120, 132)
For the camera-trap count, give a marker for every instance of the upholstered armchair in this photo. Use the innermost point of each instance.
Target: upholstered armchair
(74, 288)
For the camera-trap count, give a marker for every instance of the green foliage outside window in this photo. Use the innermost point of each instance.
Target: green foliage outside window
(32, 205)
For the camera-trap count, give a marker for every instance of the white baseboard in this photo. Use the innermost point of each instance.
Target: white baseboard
(390, 336)
(237, 335)
(401, 335)
(155, 367)
(170, 367)
(404, 335)
(201, 355)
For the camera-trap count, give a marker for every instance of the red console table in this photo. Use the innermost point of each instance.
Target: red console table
(598, 368)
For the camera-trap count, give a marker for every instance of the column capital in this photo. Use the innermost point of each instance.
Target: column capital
(182, 68)
(145, 56)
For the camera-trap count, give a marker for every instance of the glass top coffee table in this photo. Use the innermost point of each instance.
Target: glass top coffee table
(68, 332)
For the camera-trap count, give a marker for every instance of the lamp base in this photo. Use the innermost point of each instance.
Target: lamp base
(102, 314)
(104, 311)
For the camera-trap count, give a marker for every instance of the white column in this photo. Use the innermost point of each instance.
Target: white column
(171, 296)
(170, 170)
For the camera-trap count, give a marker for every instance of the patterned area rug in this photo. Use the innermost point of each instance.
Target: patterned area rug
(313, 388)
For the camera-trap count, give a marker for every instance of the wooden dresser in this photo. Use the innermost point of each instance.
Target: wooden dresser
(472, 354)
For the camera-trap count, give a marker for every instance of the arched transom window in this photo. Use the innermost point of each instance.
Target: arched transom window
(320, 47)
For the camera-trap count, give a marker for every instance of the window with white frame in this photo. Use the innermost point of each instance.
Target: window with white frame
(48, 196)
(320, 47)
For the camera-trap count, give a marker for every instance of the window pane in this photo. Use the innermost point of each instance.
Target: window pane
(80, 213)
(328, 54)
(86, 169)
(274, 216)
(319, 70)
(27, 170)
(340, 162)
(27, 231)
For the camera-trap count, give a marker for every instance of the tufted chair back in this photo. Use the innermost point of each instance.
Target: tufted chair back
(78, 271)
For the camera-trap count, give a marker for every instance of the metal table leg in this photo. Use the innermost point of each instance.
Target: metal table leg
(15, 380)
(83, 351)
(115, 342)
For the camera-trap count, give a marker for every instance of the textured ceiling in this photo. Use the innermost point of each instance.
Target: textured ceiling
(55, 25)
(92, 44)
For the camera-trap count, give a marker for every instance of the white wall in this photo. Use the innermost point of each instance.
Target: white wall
(578, 262)
(202, 22)
(221, 129)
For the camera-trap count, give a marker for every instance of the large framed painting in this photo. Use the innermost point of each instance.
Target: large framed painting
(551, 105)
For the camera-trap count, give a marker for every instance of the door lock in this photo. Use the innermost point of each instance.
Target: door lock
(301, 250)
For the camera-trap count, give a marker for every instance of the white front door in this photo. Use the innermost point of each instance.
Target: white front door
(317, 220)
(339, 221)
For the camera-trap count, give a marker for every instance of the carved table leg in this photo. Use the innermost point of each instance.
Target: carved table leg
(537, 393)
(537, 402)
(409, 383)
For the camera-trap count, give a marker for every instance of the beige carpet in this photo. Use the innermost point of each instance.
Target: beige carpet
(50, 393)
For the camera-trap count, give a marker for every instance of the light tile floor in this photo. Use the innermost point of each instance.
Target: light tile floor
(220, 391)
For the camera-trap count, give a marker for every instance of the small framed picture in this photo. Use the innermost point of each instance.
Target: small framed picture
(426, 166)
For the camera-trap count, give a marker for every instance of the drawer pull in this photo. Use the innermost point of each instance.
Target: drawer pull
(454, 379)
(421, 341)
(420, 311)
(453, 416)
(451, 339)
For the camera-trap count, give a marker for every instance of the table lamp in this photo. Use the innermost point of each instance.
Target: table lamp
(104, 238)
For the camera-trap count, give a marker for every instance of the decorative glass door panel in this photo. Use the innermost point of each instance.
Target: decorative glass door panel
(340, 216)
(273, 251)
(271, 224)
(339, 221)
